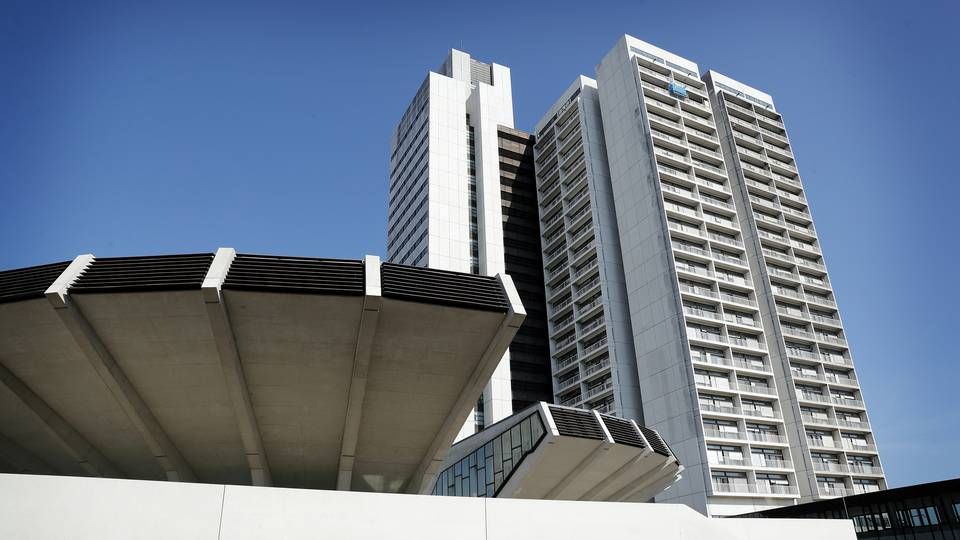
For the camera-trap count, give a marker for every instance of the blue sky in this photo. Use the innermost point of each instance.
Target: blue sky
(140, 128)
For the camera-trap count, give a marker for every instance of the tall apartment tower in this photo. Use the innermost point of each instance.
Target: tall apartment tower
(591, 343)
(834, 451)
(447, 200)
(707, 380)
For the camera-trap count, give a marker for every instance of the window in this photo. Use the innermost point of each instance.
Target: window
(767, 457)
(919, 517)
(720, 454)
(720, 428)
(485, 470)
(715, 379)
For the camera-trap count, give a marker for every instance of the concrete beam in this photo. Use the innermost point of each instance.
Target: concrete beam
(232, 367)
(429, 467)
(106, 366)
(89, 458)
(21, 460)
(372, 303)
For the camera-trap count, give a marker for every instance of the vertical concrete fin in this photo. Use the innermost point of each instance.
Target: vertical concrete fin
(56, 293)
(372, 304)
(232, 367)
(110, 372)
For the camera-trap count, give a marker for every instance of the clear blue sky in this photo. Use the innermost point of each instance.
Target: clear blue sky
(136, 129)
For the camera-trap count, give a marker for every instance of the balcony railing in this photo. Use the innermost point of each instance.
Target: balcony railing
(766, 437)
(761, 489)
(720, 434)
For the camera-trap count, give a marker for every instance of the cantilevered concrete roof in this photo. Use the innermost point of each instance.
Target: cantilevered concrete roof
(550, 452)
(245, 369)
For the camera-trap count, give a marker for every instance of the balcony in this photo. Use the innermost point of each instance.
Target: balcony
(831, 491)
(756, 389)
(673, 172)
(829, 467)
(816, 398)
(800, 353)
(701, 313)
(860, 468)
(817, 420)
(770, 463)
(734, 299)
(595, 346)
(567, 384)
(759, 412)
(566, 362)
(824, 443)
(707, 199)
(856, 447)
(713, 383)
(726, 240)
(695, 333)
(747, 342)
(833, 321)
(702, 291)
(599, 389)
(592, 325)
(585, 269)
(754, 489)
(846, 402)
(721, 256)
(848, 424)
(719, 409)
(596, 368)
(690, 248)
(726, 435)
(726, 461)
(766, 437)
(820, 300)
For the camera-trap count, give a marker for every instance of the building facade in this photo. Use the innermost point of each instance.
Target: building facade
(446, 201)
(706, 378)
(835, 451)
(591, 346)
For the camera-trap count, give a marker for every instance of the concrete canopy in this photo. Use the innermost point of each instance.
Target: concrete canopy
(244, 369)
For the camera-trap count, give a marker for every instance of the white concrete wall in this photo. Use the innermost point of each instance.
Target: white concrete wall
(45, 507)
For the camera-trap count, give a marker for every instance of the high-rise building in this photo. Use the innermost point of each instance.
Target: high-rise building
(740, 357)
(591, 341)
(835, 453)
(706, 379)
(447, 200)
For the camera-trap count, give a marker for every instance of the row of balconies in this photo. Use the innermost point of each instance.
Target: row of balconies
(713, 360)
(834, 491)
(725, 384)
(723, 296)
(834, 422)
(831, 444)
(744, 488)
(749, 461)
(745, 436)
(740, 411)
(825, 377)
(847, 468)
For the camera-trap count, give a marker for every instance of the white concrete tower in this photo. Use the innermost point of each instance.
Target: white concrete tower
(706, 378)
(834, 450)
(445, 202)
(591, 342)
